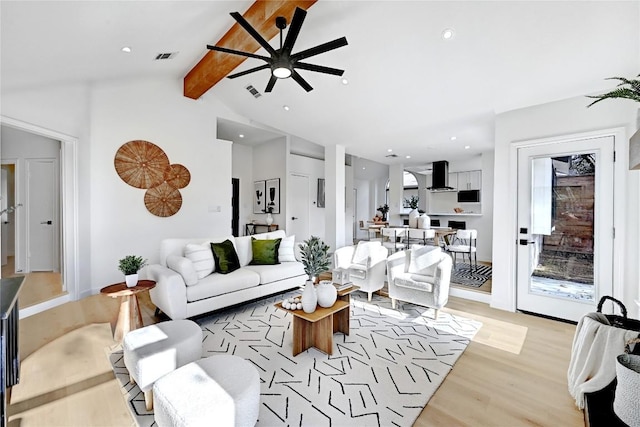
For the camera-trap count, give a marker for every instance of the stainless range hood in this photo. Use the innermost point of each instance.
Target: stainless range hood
(440, 177)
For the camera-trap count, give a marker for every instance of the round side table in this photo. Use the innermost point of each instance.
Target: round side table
(129, 315)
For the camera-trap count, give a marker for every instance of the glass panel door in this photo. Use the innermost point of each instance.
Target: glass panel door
(565, 220)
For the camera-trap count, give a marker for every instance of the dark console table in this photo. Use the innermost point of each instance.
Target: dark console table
(9, 354)
(250, 229)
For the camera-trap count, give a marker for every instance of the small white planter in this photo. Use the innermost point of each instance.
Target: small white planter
(131, 280)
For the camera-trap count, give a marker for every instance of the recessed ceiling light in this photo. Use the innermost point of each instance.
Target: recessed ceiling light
(453, 138)
(466, 147)
(389, 150)
(363, 168)
(126, 49)
(407, 157)
(241, 135)
(286, 107)
(344, 81)
(448, 34)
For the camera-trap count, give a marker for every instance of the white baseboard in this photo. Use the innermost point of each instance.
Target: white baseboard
(43, 306)
(470, 295)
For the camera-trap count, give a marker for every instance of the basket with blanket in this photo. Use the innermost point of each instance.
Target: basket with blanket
(598, 342)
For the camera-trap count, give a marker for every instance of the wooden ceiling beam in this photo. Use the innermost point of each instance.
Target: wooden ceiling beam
(214, 66)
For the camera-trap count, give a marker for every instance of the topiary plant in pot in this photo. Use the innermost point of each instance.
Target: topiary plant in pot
(129, 266)
(314, 254)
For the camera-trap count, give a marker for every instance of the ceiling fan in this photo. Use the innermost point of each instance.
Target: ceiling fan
(282, 62)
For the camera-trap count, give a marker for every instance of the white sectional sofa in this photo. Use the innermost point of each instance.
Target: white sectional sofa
(180, 295)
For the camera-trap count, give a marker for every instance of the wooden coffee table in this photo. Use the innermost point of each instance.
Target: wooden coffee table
(316, 329)
(129, 315)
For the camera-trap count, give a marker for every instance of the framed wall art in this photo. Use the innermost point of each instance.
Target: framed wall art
(272, 195)
(258, 197)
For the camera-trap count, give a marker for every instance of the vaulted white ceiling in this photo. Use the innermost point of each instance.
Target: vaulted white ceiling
(409, 90)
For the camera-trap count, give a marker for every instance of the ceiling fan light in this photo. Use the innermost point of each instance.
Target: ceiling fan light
(281, 72)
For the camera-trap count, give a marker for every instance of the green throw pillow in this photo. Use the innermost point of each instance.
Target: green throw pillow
(225, 256)
(265, 252)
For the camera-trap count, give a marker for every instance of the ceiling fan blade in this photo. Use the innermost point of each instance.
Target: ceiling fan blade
(294, 30)
(243, 73)
(324, 47)
(237, 52)
(244, 24)
(302, 82)
(319, 68)
(272, 82)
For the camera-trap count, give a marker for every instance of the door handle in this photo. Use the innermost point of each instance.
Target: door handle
(46, 222)
(525, 242)
(294, 218)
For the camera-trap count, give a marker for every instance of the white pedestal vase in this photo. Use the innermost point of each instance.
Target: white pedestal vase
(413, 218)
(269, 219)
(424, 222)
(327, 293)
(131, 280)
(309, 297)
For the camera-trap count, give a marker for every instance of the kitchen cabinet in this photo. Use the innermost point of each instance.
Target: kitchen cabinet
(453, 180)
(468, 180)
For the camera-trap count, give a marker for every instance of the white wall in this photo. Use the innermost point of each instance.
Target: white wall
(154, 111)
(20, 146)
(270, 161)
(564, 117)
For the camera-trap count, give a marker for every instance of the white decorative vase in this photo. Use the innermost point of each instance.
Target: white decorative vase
(424, 222)
(269, 219)
(413, 218)
(131, 280)
(309, 298)
(327, 293)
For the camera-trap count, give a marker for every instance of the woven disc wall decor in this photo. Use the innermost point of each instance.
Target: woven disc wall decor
(177, 176)
(163, 200)
(141, 164)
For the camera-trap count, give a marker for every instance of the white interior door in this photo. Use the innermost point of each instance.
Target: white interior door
(42, 215)
(565, 227)
(299, 205)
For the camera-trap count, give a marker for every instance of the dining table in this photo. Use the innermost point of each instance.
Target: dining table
(443, 235)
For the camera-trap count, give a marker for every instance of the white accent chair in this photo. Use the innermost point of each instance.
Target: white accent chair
(464, 242)
(366, 264)
(420, 275)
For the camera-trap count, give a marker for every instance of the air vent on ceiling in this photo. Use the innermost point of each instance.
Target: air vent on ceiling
(162, 56)
(392, 155)
(253, 91)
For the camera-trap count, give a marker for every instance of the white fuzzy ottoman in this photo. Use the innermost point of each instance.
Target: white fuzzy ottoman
(220, 390)
(154, 351)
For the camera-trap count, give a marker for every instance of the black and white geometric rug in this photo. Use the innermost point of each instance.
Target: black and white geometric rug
(463, 274)
(382, 374)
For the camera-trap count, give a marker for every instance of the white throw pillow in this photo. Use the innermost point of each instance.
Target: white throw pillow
(184, 267)
(362, 253)
(202, 258)
(424, 257)
(285, 251)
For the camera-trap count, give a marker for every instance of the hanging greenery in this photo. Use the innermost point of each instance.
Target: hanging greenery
(627, 88)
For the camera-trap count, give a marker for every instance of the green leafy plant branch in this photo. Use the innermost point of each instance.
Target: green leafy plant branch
(631, 92)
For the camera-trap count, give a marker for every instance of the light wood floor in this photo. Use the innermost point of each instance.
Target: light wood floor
(512, 374)
(38, 287)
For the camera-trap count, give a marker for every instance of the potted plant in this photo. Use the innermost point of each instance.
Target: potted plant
(384, 209)
(314, 254)
(129, 266)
